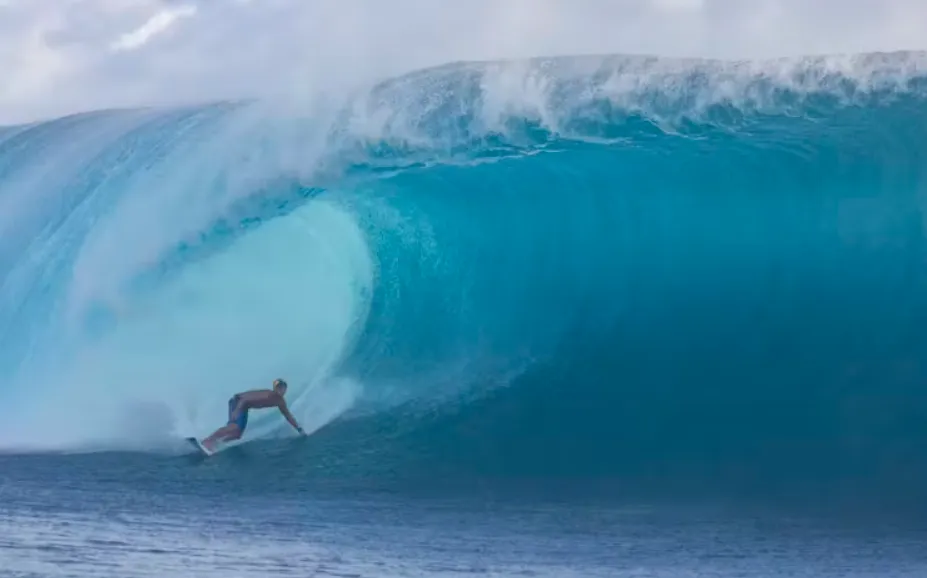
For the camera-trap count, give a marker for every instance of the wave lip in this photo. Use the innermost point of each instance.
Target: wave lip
(458, 105)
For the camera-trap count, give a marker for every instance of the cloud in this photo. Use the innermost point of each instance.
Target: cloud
(61, 56)
(155, 25)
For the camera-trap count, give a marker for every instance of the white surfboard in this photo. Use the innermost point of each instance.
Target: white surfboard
(198, 445)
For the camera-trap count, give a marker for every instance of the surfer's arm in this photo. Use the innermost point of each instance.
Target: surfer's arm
(289, 417)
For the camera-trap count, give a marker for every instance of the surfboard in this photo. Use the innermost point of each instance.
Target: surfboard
(199, 446)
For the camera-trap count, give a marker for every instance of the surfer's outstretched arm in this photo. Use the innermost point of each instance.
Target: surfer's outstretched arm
(289, 417)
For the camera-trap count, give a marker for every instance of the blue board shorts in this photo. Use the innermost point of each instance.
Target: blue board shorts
(242, 421)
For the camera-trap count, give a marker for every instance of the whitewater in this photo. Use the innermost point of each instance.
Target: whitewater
(602, 280)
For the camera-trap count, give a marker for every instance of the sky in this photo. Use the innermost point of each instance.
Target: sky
(63, 56)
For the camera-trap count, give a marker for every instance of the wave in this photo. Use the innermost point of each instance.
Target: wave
(567, 267)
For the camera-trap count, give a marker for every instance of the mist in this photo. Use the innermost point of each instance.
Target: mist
(62, 58)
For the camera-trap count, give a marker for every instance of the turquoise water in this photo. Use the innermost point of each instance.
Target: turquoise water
(626, 280)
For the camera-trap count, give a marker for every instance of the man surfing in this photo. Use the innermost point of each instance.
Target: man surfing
(240, 403)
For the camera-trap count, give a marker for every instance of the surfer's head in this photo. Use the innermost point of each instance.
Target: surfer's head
(280, 386)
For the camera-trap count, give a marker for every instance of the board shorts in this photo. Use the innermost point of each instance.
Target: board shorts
(242, 421)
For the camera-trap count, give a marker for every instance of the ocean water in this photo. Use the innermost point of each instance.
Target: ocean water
(597, 316)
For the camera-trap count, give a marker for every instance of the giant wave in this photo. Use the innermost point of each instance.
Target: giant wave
(619, 267)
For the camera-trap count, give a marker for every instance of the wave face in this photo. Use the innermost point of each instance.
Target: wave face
(565, 268)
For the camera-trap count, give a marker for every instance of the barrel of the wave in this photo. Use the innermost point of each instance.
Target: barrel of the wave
(154, 288)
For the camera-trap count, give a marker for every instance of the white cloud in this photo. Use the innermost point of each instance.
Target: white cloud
(679, 4)
(61, 56)
(155, 25)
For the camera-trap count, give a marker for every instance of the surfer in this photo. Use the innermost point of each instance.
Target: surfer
(240, 403)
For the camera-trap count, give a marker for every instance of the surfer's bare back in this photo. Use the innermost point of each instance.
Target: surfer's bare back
(240, 403)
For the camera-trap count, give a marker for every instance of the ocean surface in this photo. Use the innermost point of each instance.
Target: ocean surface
(580, 316)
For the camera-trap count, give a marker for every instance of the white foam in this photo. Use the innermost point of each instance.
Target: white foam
(552, 91)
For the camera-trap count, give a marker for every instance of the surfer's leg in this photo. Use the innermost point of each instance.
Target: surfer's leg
(231, 431)
(224, 433)
(242, 423)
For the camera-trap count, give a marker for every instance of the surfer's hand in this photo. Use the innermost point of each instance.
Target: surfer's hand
(300, 430)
